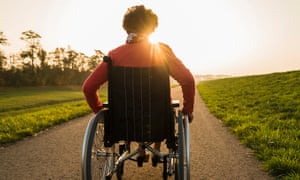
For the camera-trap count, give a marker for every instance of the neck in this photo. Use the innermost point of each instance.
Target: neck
(135, 37)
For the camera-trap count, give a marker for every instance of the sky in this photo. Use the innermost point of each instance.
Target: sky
(232, 37)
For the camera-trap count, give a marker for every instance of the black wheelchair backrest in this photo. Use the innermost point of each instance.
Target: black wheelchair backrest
(139, 104)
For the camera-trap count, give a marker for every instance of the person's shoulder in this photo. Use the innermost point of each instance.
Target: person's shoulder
(165, 47)
(116, 50)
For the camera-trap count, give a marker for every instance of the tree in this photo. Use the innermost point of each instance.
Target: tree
(33, 40)
(69, 61)
(95, 60)
(3, 41)
(41, 54)
(81, 61)
(59, 56)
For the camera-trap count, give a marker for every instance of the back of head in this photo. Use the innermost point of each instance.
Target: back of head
(140, 20)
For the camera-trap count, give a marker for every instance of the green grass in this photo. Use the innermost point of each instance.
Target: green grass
(26, 97)
(264, 112)
(26, 111)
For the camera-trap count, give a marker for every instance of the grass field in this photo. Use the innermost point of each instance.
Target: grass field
(28, 110)
(264, 112)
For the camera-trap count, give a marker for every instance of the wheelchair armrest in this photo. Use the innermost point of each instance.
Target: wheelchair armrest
(105, 104)
(175, 103)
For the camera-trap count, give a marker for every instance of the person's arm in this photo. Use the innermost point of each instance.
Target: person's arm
(92, 84)
(185, 78)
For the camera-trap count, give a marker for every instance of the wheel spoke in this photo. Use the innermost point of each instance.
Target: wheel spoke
(97, 160)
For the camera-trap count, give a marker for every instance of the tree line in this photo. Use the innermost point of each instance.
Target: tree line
(34, 66)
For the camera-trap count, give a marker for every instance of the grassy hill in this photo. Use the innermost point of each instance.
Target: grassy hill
(264, 112)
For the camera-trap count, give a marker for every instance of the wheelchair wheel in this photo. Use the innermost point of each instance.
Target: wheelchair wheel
(120, 169)
(183, 163)
(97, 161)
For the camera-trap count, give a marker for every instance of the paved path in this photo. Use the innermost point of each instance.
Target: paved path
(56, 153)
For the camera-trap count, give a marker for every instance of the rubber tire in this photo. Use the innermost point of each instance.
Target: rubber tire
(93, 166)
(183, 148)
(180, 148)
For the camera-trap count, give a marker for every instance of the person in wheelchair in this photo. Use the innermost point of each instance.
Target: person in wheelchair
(139, 23)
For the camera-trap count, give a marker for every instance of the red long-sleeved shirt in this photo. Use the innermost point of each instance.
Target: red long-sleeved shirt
(141, 54)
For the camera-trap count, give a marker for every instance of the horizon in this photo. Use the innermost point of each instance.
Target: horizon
(234, 38)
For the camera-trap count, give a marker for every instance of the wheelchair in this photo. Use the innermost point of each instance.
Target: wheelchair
(139, 110)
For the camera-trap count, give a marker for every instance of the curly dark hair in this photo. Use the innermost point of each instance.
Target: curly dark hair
(138, 19)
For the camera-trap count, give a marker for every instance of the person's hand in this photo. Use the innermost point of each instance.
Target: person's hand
(190, 116)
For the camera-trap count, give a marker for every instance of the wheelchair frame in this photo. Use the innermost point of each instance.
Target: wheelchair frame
(100, 162)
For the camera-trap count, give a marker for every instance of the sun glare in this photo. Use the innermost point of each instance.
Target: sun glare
(153, 39)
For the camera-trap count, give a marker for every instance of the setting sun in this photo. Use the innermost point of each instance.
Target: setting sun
(153, 38)
(219, 79)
